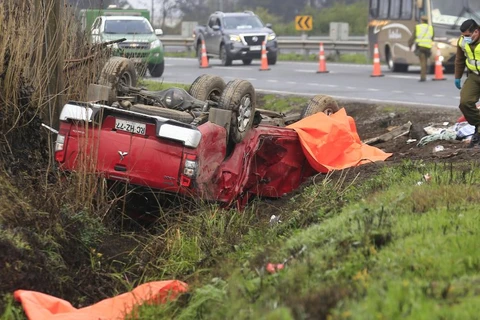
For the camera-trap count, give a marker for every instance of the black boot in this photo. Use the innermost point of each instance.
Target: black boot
(475, 139)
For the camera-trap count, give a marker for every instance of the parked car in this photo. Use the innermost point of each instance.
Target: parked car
(141, 43)
(235, 36)
(210, 142)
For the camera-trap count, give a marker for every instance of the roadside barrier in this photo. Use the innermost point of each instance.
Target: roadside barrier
(204, 58)
(438, 67)
(377, 71)
(322, 66)
(264, 64)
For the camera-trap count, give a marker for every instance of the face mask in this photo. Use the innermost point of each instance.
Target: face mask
(467, 40)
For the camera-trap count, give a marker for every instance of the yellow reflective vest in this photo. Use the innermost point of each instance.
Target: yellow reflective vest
(424, 35)
(473, 56)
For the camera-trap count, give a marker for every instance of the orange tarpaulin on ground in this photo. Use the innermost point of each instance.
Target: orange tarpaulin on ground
(332, 142)
(40, 306)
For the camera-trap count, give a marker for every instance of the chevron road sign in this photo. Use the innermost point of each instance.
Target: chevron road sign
(303, 23)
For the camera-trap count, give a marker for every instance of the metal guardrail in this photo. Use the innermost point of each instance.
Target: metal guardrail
(357, 44)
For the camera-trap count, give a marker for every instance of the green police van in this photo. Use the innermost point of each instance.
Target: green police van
(142, 45)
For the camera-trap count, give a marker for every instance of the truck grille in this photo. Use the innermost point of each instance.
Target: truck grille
(254, 40)
(134, 45)
(131, 55)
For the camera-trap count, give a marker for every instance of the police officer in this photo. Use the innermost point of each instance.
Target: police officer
(468, 55)
(423, 39)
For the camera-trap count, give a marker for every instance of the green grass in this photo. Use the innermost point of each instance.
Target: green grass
(398, 249)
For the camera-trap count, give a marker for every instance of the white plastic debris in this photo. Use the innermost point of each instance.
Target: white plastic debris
(274, 220)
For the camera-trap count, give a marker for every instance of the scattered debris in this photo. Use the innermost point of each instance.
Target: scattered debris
(393, 134)
(274, 220)
(438, 148)
(275, 267)
(426, 178)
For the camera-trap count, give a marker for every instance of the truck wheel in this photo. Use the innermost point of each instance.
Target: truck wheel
(272, 60)
(226, 60)
(320, 103)
(118, 73)
(163, 112)
(207, 87)
(156, 70)
(239, 97)
(247, 62)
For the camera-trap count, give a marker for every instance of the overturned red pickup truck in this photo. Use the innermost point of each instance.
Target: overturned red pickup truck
(209, 143)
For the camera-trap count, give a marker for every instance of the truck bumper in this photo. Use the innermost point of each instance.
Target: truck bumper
(153, 56)
(238, 51)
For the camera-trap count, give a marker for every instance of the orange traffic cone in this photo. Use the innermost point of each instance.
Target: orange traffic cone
(377, 71)
(264, 65)
(438, 67)
(204, 58)
(322, 67)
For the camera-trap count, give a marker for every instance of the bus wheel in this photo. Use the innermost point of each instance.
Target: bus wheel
(395, 67)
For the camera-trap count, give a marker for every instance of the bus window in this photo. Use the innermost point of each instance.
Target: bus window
(374, 9)
(395, 9)
(407, 9)
(383, 9)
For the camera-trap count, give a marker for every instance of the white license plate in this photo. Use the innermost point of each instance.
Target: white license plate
(130, 126)
(255, 48)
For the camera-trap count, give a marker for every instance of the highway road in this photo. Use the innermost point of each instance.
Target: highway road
(344, 81)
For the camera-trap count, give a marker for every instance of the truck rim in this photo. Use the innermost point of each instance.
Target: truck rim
(244, 113)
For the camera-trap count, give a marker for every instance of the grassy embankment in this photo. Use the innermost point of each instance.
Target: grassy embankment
(382, 247)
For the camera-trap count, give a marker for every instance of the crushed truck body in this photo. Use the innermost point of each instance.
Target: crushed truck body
(210, 143)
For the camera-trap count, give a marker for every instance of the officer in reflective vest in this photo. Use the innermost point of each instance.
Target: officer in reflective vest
(423, 39)
(468, 55)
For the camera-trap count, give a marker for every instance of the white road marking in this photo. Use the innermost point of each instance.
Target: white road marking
(351, 88)
(313, 84)
(291, 82)
(439, 95)
(372, 89)
(419, 93)
(397, 91)
(272, 81)
(403, 77)
(306, 71)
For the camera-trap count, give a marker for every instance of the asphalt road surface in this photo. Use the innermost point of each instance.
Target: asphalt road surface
(344, 81)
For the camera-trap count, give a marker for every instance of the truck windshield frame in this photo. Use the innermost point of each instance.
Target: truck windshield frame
(453, 13)
(242, 22)
(123, 26)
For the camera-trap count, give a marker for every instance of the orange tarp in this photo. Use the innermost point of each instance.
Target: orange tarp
(332, 142)
(40, 306)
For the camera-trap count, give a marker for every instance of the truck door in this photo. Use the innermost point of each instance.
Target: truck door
(211, 34)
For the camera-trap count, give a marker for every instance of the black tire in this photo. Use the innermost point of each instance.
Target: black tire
(239, 97)
(272, 60)
(156, 70)
(207, 87)
(247, 62)
(226, 60)
(393, 66)
(163, 112)
(320, 103)
(118, 72)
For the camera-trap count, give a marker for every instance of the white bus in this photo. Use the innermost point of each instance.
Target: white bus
(391, 24)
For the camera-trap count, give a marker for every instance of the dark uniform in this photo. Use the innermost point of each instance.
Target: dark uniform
(468, 55)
